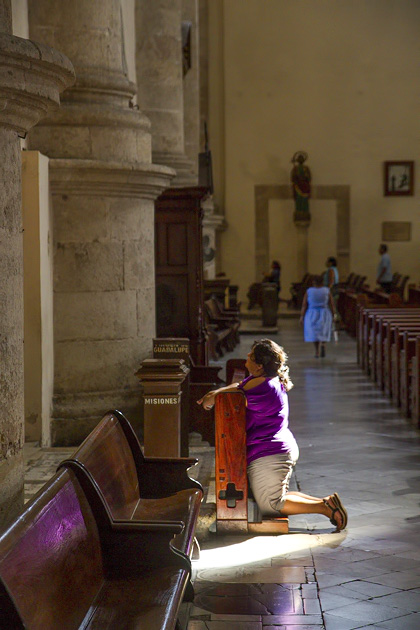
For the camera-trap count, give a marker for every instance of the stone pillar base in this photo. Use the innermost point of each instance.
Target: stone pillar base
(76, 415)
(11, 484)
(185, 172)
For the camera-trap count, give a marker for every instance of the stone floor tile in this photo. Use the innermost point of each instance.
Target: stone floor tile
(408, 622)
(311, 607)
(230, 625)
(361, 611)
(293, 620)
(248, 599)
(366, 589)
(356, 593)
(310, 591)
(403, 581)
(293, 562)
(395, 563)
(273, 575)
(330, 601)
(232, 618)
(328, 579)
(406, 600)
(333, 622)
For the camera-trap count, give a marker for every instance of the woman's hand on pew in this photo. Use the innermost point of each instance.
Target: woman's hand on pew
(208, 400)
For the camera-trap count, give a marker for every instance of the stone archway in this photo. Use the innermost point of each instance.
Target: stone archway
(263, 195)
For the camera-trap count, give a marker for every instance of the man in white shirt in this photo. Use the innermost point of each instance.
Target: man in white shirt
(384, 273)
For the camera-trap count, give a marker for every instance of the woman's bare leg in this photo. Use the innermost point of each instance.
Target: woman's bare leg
(309, 497)
(299, 503)
(316, 344)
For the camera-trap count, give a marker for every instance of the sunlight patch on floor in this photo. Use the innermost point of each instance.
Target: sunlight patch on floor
(261, 548)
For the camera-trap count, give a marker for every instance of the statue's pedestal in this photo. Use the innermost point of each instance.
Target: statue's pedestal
(302, 221)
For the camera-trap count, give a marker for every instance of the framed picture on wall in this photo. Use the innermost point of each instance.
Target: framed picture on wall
(399, 179)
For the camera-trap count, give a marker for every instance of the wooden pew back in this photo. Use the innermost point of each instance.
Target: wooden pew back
(51, 560)
(108, 458)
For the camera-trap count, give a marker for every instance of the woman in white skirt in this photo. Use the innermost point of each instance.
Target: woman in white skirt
(317, 315)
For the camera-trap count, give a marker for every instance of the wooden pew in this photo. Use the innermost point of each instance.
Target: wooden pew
(407, 354)
(389, 351)
(390, 369)
(379, 338)
(415, 385)
(231, 475)
(61, 569)
(401, 354)
(224, 319)
(118, 478)
(390, 330)
(349, 302)
(413, 294)
(236, 371)
(366, 332)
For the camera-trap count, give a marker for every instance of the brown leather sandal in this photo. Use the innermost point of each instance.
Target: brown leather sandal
(335, 505)
(337, 502)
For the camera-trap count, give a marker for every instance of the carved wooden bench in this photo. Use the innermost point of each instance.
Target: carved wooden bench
(117, 478)
(61, 569)
(387, 342)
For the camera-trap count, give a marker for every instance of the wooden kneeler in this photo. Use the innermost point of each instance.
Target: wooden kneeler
(231, 477)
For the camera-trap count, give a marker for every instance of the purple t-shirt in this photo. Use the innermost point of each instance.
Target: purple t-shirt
(267, 419)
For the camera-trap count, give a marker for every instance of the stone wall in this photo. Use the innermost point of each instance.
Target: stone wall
(332, 79)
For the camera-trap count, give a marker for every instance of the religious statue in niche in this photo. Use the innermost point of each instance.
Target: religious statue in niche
(301, 186)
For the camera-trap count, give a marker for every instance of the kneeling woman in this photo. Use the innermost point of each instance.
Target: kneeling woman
(272, 451)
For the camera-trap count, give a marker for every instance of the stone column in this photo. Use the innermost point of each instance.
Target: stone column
(191, 85)
(160, 83)
(212, 224)
(103, 186)
(31, 77)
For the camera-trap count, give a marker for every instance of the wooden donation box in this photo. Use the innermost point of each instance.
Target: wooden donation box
(200, 380)
(231, 477)
(178, 348)
(179, 268)
(162, 381)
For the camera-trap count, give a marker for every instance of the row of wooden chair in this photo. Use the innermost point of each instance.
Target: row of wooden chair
(298, 290)
(354, 282)
(106, 543)
(222, 326)
(388, 350)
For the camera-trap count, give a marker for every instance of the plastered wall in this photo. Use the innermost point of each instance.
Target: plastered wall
(337, 79)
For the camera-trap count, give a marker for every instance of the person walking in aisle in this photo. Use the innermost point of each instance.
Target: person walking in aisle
(317, 314)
